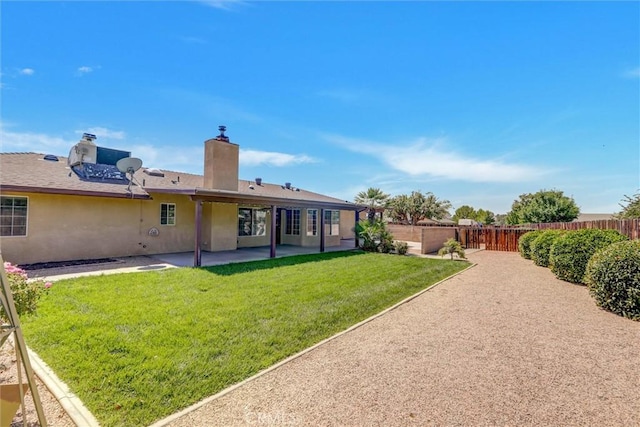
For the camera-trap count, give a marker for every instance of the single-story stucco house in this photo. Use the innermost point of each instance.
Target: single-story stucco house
(84, 207)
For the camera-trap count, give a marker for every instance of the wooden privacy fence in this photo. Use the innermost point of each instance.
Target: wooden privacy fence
(506, 238)
(494, 238)
(628, 227)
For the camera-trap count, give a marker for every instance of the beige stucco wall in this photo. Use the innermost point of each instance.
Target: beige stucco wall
(407, 233)
(221, 165)
(64, 228)
(347, 224)
(222, 234)
(433, 238)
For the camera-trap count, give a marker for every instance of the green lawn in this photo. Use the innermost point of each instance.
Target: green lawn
(138, 347)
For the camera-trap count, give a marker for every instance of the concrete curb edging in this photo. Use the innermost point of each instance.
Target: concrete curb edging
(73, 406)
(173, 417)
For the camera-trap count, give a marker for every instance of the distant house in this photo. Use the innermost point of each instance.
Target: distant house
(432, 222)
(593, 217)
(83, 207)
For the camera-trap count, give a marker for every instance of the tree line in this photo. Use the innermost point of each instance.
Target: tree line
(540, 207)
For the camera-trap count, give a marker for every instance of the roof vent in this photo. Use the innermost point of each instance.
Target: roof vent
(251, 187)
(222, 136)
(50, 157)
(154, 172)
(287, 185)
(258, 181)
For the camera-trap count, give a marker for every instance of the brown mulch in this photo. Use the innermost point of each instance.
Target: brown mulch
(502, 344)
(59, 264)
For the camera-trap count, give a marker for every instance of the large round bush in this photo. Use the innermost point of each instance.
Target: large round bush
(541, 245)
(524, 243)
(613, 278)
(570, 253)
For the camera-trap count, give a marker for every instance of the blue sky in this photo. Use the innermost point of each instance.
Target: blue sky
(477, 102)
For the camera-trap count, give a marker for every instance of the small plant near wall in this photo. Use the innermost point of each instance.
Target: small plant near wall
(401, 247)
(452, 246)
(613, 278)
(25, 293)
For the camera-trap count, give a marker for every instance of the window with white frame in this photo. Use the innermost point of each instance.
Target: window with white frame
(292, 226)
(252, 222)
(331, 223)
(13, 216)
(312, 222)
(167, 214)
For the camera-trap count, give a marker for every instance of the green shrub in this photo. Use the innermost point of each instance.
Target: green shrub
(613, 278)
(375, 236)
(524, 243)
(401, 247)
(570, 253)
(25, 293)
(541, 245)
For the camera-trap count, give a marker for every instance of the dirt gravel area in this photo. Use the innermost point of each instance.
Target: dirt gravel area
(502, 344)
(53, 411)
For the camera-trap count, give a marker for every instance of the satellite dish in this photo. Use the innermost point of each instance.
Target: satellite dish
(129, 165)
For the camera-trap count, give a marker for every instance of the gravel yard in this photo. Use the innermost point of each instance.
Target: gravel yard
(503, 343)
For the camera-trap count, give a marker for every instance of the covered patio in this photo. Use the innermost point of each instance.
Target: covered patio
(274, 206)
(185, 259)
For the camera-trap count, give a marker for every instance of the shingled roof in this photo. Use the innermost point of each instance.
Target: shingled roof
(30, 172)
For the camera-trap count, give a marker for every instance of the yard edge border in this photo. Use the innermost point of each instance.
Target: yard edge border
(71, 403)
(173, 417)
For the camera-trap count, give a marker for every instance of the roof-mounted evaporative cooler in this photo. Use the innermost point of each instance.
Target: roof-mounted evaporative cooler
(85, 151)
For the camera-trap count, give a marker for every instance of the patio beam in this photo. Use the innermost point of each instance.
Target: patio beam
(355, 228)
(274, 212)
(322, 230)
(197, 253)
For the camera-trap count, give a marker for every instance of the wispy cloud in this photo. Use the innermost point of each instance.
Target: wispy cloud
(269, 158)
(102, 132)
(186, 159)
(27, 71)
(85, 69)
(432, 158)
(35, 142)
(632, 73)
(223, 4)
(212, 106)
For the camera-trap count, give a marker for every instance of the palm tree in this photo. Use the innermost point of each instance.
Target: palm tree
(452, 246)
(374, 198)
